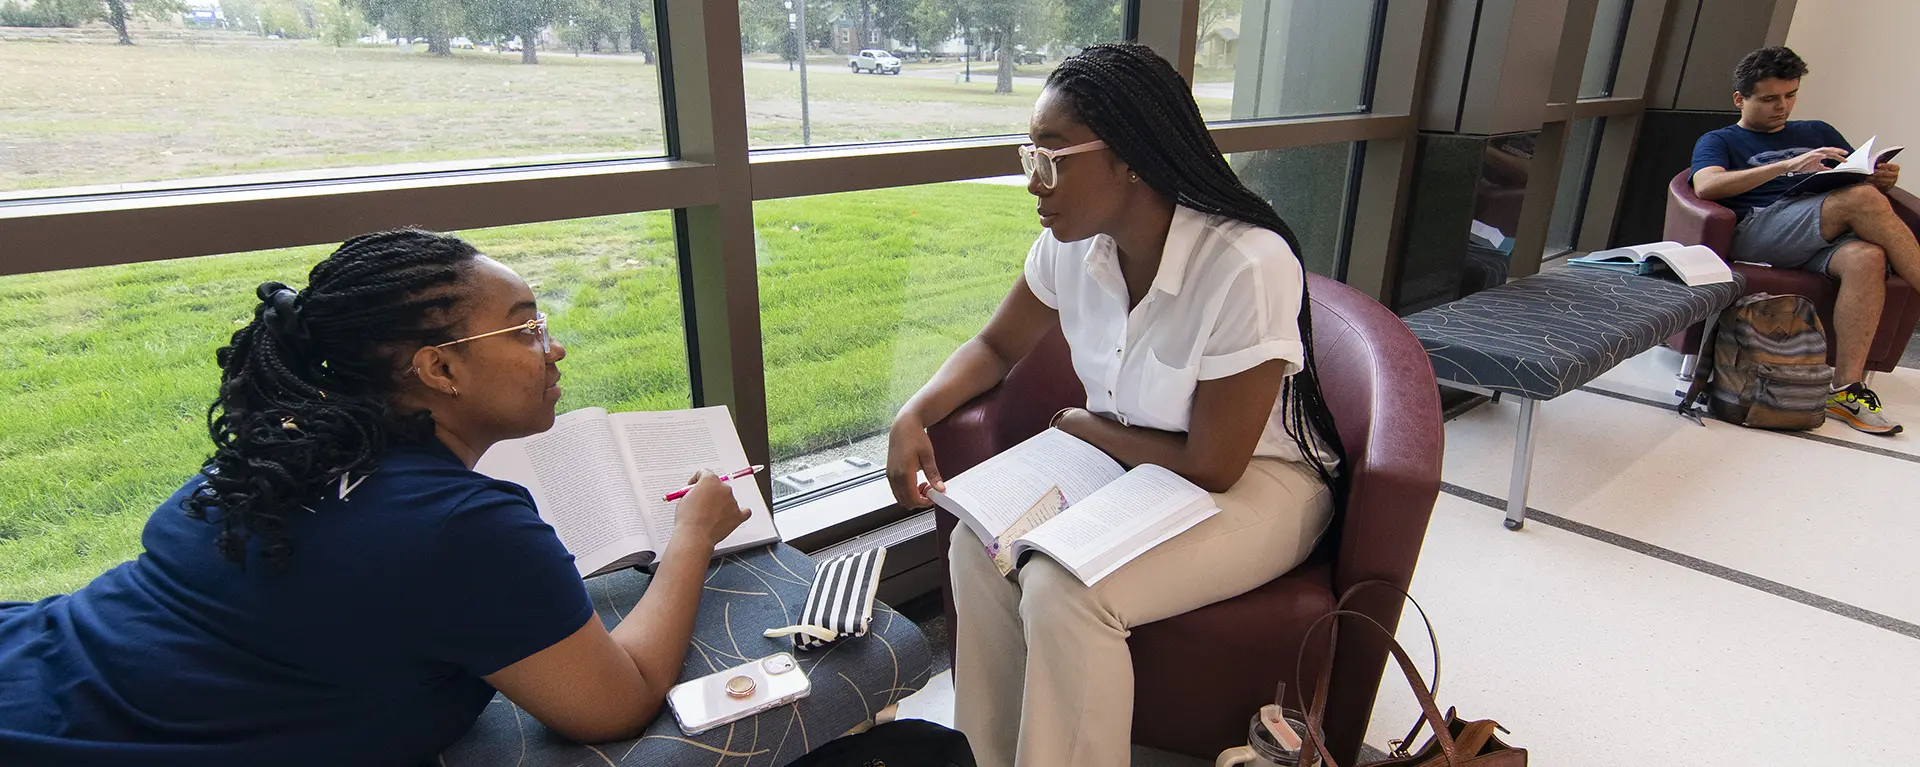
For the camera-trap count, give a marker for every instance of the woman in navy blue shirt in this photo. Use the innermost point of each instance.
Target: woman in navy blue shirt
(337, 586)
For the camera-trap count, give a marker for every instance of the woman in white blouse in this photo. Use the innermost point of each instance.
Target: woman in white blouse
(1181, 296)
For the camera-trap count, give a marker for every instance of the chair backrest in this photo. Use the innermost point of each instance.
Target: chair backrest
(1386, 405)
(1693, 221)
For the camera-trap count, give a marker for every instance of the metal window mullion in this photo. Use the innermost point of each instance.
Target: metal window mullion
(720, 292)
(1379, 199)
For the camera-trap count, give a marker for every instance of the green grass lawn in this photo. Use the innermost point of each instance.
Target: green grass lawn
(107, 372)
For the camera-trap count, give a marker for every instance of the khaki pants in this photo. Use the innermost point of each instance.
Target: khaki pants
(1042, 676)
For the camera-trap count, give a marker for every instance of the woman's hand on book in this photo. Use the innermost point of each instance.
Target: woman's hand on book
(709, 511)
(909, 453)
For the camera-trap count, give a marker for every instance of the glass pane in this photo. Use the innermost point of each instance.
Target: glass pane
(1283, 58)
(1310, 187)
(1603, 49)
(323, 91)
(893, 70)
(107, 373)
(1576, 172)
(862, 296)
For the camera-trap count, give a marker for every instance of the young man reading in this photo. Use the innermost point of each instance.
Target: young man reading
(1850, 234)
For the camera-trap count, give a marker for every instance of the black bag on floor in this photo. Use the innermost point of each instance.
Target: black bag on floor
(900, 743)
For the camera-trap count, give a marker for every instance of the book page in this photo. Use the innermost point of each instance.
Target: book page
(579, 485)
(1631, 252)
(1861, 161)
(1003, 487)
(1697, 265)
(665, 448)
(1145, 498)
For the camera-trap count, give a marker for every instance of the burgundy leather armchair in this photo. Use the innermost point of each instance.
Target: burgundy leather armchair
(1200, 676)
(1693, 221)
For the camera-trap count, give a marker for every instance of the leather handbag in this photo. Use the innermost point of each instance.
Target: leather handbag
(1455, 742)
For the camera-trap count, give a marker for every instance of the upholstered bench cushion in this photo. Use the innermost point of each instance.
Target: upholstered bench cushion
(746, 593)
(1546, 335)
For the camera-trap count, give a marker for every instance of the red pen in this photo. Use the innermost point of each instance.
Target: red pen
(750, 470)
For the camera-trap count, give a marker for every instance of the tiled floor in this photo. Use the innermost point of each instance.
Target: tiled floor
(1696, 595)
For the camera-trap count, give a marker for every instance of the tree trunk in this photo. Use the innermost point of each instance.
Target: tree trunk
(439, 45)
(117, 15)
(1005, 83)
(529, 49)
(637, 37)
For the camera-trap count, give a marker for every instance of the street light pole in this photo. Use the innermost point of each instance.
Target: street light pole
(806, 117)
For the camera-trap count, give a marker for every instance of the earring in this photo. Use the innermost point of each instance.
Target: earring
(1133, 178)
(453, 391)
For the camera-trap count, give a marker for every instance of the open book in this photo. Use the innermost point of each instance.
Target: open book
(600, 480)
(1065, 498)
(1857, 167)
(1696, 264)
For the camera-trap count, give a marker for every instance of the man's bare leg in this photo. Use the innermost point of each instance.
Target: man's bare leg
(1861, 269)
(1866, 211)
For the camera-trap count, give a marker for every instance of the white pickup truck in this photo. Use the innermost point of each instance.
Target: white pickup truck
(874, 60)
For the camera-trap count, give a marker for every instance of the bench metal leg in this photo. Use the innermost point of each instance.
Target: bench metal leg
(1690, 364)
(1522, 465)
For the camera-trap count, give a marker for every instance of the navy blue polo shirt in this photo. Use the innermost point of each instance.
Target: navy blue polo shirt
(368, 648)
(1736, 148)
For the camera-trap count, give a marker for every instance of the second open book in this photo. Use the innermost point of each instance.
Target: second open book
(1064, 498)
(600, 479)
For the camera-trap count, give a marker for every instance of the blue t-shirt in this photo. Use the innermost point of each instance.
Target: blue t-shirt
(1736, 148)
(368, 648)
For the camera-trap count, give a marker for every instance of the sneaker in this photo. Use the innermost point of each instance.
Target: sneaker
(1859, 407)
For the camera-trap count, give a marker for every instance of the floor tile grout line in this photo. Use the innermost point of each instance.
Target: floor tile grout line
(1821, 438)
(1696, 564)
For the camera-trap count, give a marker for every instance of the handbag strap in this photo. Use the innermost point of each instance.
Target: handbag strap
(1433, 642)
(1318, 710)
(1431, 710)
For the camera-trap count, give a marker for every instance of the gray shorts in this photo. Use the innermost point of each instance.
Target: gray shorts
(1786, 235)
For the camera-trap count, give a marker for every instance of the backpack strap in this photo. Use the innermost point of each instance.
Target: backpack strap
(1703, 373)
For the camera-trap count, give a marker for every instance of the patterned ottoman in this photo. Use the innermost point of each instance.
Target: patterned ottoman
(1539, 337)
(746, 593)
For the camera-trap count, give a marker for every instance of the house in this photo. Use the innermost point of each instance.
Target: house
(1219, 47)
(849, 37)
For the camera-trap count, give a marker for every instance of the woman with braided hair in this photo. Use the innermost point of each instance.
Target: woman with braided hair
(1182, 298)
(337, 586)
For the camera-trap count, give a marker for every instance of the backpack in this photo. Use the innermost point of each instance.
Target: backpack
(900, 743)
(1768, 369)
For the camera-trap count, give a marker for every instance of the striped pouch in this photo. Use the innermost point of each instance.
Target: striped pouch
(841, 601)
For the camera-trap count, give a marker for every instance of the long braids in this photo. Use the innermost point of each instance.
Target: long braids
(305, 388)
(1134, 100)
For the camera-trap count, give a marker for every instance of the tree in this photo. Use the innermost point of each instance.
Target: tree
(516, 18)
(639, 31)
(1085, 22)
(434, 20)
(340, 24)
(118, 11)
(1212, 12)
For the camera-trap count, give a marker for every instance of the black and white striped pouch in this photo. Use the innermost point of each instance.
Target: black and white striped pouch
(841, 601)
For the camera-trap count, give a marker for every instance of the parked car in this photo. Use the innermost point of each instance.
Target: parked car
(461, 42)
(874, 60)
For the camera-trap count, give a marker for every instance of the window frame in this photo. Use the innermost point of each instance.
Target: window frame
(710, 179)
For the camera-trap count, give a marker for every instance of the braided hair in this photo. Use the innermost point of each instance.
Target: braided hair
(1133, 99)
(306, 387)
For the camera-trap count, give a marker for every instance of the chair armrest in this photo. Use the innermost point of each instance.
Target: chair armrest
(1906, 206)
(969, 435)
(1693, 221)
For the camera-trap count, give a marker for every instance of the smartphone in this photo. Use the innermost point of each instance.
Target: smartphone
(734, 694)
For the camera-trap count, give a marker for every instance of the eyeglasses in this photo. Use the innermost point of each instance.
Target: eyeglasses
(536, 327)
(1047, 173)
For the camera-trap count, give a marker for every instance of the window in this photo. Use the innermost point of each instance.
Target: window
(862, 296)
(965, 70)
(329, 94)
(107, 373)
(1283, 58)
(1576, 175)
(1603, 49)
(1310, 187)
